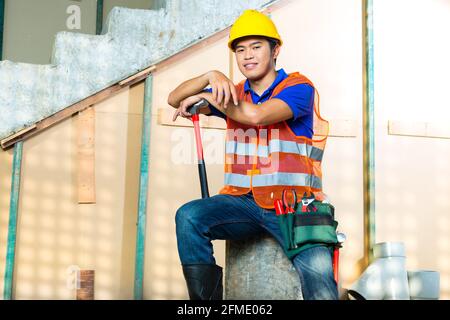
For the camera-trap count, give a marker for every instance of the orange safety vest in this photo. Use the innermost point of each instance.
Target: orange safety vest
(268, 159)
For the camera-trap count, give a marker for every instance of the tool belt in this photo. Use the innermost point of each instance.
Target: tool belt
(310, 224)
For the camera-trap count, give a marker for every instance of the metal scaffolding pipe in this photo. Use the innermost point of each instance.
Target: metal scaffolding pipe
(143, 190)
(12, 225)
(369, 131)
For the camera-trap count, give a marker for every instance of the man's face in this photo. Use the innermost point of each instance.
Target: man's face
(254, 57)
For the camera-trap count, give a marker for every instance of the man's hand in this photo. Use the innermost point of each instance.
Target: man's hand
(272, 111)
(222, 88)
(184, 105)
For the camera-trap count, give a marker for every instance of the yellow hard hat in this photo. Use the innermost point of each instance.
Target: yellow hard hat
(253, 23)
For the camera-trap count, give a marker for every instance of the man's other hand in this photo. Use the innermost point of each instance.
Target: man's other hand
(223, 89)
(184, 106)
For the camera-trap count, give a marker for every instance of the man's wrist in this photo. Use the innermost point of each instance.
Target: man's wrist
(203, 95)
(207, 76)
(208, 97)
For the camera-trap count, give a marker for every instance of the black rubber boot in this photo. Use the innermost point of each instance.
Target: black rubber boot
(204, 281)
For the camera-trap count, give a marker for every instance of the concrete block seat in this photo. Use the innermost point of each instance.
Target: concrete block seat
(257, 268)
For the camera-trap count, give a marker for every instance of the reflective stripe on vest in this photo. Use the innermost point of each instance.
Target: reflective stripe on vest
(238, 180)
(248, 149)
(286, 179)
(273, 179)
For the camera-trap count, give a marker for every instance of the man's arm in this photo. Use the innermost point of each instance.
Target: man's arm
(223, 89)
(186, 89)
(271, 111)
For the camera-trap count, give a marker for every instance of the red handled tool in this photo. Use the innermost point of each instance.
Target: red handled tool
(336, 264)
(279, 210)
(341, 238)
(194, 110)
(290, 206)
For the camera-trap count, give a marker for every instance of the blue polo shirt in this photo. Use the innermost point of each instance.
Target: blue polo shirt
(300, 98)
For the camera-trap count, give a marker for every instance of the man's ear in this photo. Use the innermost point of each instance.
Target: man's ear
(276, 51)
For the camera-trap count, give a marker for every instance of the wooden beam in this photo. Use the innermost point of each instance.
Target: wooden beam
(86, 139)
(419, 129)
(19, 134)
(77, 107)
(343, 128)
(140, 75)
(143, 191)
(165, 118)
(12, 224)
(86, 156)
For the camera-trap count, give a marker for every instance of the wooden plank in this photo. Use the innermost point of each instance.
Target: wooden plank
(419, 129)
(19, 134)
(86, 156)
(86, 290)
(165, 116)
(12, 224)
(86, 140)
(212, 122)
(143, 191)
(77, 107)
(140, 75)
(344, 128)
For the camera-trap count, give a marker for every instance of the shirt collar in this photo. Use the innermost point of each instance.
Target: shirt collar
(280, 77)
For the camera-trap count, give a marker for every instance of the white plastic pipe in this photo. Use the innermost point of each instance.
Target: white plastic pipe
(424, 285)
(386, 278)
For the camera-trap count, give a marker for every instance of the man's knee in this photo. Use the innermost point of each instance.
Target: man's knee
(187, 216)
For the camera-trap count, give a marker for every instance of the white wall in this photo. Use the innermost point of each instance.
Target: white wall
(412, 173)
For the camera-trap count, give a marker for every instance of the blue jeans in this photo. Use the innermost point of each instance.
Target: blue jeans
(229, 217)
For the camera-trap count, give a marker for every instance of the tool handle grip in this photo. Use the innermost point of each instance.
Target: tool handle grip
(278, 207)
(336, 264)
(195, 108)
(203, 178)
(201, 162)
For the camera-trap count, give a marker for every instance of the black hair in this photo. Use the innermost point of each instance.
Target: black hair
(272, 44)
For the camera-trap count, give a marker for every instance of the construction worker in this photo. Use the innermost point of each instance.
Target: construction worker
(275, 111)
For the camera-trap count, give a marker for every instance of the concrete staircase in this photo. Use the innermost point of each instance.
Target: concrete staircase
(82, 64)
